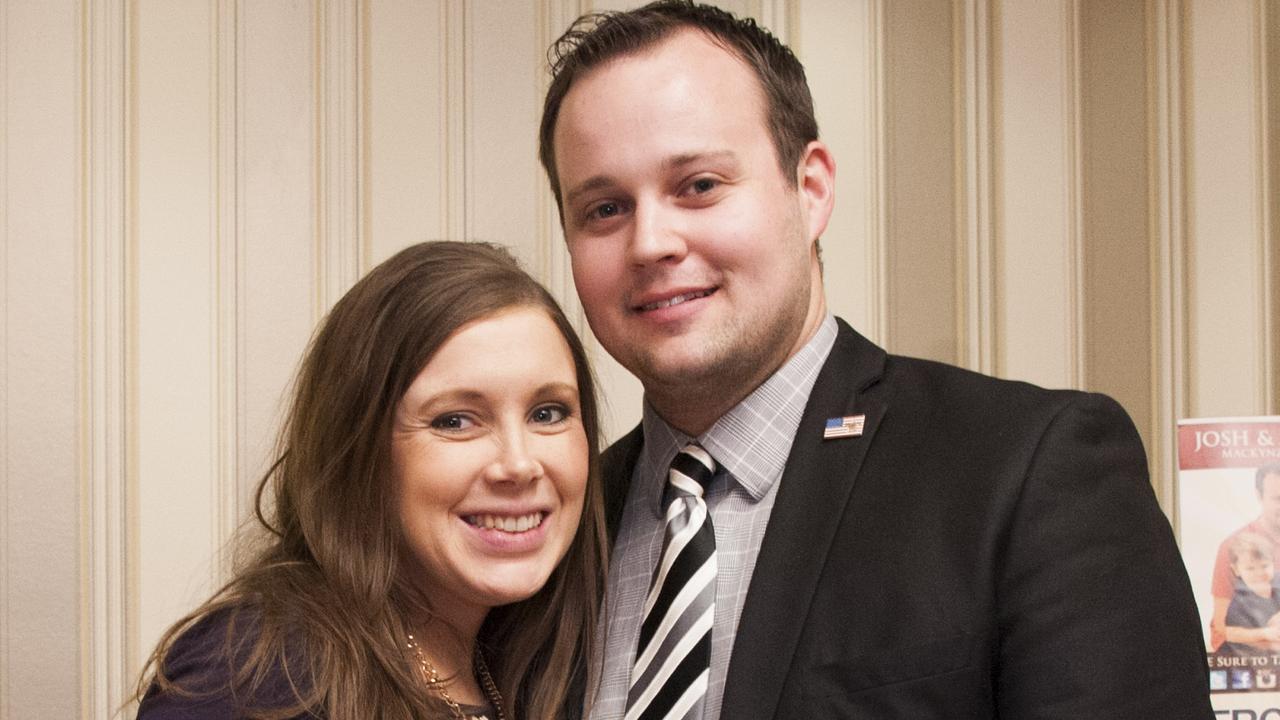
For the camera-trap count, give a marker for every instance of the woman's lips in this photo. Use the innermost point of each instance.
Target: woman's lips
(506, 523)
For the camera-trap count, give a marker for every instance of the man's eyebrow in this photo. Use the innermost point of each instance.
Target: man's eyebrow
(589, 185)
(675, 162)
(683, 159)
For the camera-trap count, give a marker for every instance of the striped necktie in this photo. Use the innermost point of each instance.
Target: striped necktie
(673, 656)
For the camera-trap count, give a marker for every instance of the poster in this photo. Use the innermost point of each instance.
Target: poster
(1229, 531)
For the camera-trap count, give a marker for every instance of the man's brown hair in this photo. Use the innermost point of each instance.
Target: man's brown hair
(597, 38)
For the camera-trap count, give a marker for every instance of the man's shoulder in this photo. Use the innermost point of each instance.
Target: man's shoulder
(955, 392)
(934, 383)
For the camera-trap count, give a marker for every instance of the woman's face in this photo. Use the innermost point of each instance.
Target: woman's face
(490, 461)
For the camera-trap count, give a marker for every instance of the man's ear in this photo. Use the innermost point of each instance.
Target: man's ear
(816, 180)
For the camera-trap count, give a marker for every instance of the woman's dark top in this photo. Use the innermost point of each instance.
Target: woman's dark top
(198, 663)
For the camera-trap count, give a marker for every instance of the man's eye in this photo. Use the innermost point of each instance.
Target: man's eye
(549, 414)
(703, 185)
(452, 421)
(604, 210)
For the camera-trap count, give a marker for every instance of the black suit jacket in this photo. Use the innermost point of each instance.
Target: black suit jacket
(986, 549)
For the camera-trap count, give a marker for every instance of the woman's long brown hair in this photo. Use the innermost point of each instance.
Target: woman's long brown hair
(322, 598)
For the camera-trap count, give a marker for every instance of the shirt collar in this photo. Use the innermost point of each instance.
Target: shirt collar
(752, 440)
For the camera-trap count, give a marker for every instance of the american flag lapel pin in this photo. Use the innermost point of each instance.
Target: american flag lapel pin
(847, 426)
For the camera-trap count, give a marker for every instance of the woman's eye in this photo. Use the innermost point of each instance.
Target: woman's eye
(452, 421)
(550, 414)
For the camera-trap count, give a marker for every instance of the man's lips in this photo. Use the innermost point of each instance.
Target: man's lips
(673, 300)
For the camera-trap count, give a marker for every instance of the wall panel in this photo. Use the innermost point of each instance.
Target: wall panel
(920, 171)
(1037, 267)
(175, 206)
(503, 91)
(1114, 209)
(1226, 239)
(279, 241)
(407, 67)
(840, 44)
(40, 216)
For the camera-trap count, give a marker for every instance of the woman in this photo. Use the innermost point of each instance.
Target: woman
(434, 547)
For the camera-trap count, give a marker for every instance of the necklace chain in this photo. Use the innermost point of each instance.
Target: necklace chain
(437, 684)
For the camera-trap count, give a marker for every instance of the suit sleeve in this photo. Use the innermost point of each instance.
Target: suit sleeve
(1096, 614)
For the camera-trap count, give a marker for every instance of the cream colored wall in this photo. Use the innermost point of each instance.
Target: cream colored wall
(1075, 192)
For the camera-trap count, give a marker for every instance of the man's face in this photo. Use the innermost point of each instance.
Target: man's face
(1270, 500)
(692, 252)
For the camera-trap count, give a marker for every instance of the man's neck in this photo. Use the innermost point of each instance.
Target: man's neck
(693, 408)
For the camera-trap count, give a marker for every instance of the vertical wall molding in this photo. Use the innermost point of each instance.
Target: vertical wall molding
(1271, 64)
(226, 253)
(1074, 216)
(877, 253)
(1171, 388)
(778, 16)
(454, 113)
(105, 418)
(1269, 384)
(340, 140)
(554, 267)
(5, 502)
(976, 209)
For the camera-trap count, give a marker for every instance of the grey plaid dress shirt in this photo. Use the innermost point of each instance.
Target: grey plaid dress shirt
(750, 443)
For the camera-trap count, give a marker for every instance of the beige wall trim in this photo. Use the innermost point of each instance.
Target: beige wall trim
(339, 48)
(1269, 383)
(877, 253)
(1271, 65)
(778, 16)
(976, 207)
(107, 657)
(5, 502)
(1171, 389)
(455, 110)
(1073, 163)
(1273, 154)
(227, 251)
(553, 264)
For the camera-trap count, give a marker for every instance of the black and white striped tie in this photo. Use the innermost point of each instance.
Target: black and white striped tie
(673, 656)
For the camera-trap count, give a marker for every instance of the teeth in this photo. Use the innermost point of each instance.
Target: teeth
(511, 524)
(675, 300)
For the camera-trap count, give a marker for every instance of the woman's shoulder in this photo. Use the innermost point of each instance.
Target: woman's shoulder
(207, 671)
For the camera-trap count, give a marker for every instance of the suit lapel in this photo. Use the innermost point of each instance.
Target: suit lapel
(618, 463)
(815, 490)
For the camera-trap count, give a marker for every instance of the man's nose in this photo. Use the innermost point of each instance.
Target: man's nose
(656, 234)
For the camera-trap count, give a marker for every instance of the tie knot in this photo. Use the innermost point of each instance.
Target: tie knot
(691, 471)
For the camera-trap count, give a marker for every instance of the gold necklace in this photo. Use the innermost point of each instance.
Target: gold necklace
(438, 686)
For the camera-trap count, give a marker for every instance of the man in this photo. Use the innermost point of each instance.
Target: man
(888, 537)
(1267, 524)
